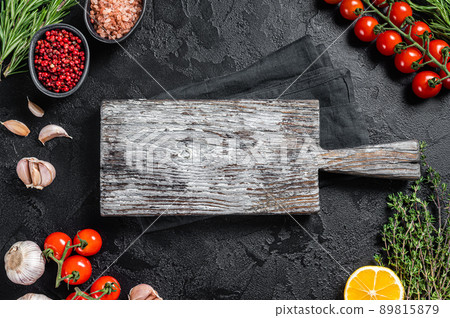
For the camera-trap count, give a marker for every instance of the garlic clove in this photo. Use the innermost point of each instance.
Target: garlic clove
(35, 174)
(48, 173)
(23, 172)
(35, 109)
(50, 167)
(24, 263)
(154, 296)
(17, 127)
(52, 131)
(143, 292)
(32, 296)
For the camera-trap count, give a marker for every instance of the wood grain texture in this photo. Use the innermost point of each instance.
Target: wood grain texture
(398, 160)
(226, 157)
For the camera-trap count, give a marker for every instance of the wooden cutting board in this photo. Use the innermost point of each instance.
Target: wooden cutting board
(227, 157)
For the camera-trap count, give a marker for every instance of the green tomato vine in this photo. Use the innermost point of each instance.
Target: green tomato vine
(49, 255)
(426, 38)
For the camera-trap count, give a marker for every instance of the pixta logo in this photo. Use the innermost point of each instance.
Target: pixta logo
(151, 150)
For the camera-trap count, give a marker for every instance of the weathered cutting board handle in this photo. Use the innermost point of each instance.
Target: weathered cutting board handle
(398, 160)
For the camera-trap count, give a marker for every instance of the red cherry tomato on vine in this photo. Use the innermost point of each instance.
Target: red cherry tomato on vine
(100, 284)
(70, 297)
(417, 29)
(332, 1)
(442, 74)
(387, 41)
(421, 86)
(348, 8)
(399, 12)
(364, 29)
(57, 241)
(404, 60)
(436, 47)
(93, 239)
(380, 3)
(78, 266)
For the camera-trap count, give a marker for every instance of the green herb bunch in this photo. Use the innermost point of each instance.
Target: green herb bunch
(436, 14)
(19, 21)
(417, 237)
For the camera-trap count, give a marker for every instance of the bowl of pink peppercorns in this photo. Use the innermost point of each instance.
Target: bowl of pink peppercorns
(58, 60)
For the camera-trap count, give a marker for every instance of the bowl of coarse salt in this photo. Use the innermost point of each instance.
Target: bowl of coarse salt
(112, 21)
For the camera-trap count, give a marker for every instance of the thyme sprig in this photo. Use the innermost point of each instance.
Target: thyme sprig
(19, 21)
(416, 238)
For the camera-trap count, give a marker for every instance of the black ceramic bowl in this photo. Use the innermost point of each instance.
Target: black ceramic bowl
(39, 35)
(90, 27)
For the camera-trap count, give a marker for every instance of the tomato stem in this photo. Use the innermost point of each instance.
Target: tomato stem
(79, 293)
(106, 290)
(424, 51)
(434, 82)
(49, 254)
(82, 243)
(441, 80)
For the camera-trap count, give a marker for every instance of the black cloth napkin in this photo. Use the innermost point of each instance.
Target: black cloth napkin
(308, 73)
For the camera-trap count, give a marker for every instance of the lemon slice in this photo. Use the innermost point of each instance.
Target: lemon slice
(374, 283)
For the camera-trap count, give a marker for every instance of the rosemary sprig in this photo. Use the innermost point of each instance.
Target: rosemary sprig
(416, 238)
(436, 14)
(19, 21)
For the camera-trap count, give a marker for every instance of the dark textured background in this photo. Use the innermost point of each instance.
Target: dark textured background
(181, 42)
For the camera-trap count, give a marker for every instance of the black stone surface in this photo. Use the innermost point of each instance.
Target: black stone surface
(180, 42)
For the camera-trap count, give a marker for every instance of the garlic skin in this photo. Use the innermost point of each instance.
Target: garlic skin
(35, 173)
(143, 292)
(52, 131)
(17, 127)
(31, 296)
(35, 109)
(24, 263)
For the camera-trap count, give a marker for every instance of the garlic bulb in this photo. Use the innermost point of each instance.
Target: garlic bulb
(31, 296)
(143, 292)
(24, 263)
(36, 173)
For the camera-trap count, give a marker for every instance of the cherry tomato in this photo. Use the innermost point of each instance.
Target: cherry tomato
(387, 41)
(442, 74)
(348, 8)
(417, 29)
(404, 60)
(93, 239)
(380, 3)
(332, 1)
(436, 47)
(70, 297)
(100, 284)
(421, 86)
(364, 29)
(78, 264)
(57, 241)
(399, 12)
